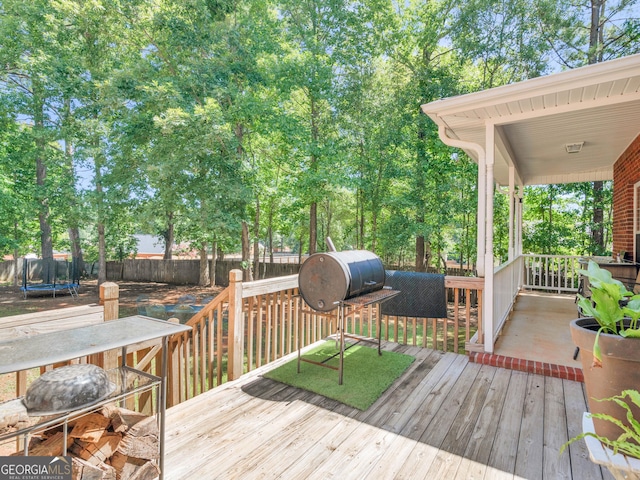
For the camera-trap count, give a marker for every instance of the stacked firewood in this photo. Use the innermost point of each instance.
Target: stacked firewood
(112, 444)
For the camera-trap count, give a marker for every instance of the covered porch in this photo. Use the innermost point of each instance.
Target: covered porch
(536, 327)
(568, 127)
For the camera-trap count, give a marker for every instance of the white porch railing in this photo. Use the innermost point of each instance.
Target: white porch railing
(507, 279)
(557, 273)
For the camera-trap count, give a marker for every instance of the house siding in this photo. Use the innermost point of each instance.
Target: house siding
(626, 173)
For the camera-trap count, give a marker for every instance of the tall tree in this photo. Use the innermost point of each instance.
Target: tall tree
(584, 34)
(29, 73)
(314, 33)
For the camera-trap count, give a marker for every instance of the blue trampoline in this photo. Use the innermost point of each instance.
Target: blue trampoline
(50, 277)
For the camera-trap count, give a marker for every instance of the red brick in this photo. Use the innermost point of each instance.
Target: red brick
(626, 173)
(529, 366)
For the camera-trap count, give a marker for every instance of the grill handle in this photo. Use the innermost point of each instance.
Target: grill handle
(330, 245)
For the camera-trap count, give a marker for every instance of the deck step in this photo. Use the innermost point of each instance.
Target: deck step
(529, 366)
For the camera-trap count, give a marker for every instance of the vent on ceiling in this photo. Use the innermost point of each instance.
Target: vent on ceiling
(574, 147)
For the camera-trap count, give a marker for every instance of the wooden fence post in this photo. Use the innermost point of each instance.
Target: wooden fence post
(109, 295)
(236, 326)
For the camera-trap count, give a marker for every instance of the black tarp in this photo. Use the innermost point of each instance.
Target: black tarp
(421, 295)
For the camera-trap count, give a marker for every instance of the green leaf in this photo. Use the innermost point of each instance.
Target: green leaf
(597, 355)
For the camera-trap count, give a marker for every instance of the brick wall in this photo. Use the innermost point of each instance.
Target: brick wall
(626, 173)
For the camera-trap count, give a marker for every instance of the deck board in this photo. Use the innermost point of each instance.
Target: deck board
(529, 458)
(504, 452)
(445, 418)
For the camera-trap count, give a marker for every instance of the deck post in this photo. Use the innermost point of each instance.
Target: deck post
(109, 299)
(236, 325)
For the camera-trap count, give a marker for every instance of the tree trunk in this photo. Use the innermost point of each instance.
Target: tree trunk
(313, 210)
(420, 172)
(597, 234)
(420, 254)
(212, 268)
(73, 230)
(204, 265)
(596, 35)
(313, 228)
(169, 237)
(46, 241)
(360, 219)
(329, 216)
(16, 263)
(270, 232)
(102, 258)
(246, 253)
(102, 251)
(76, 250)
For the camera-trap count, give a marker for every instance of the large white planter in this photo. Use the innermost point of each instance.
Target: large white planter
(620, 466)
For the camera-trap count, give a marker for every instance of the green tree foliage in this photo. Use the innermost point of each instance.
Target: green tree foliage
(32, 80)
(581, 34)
(18, 226)
(590, 32)
(295, 119)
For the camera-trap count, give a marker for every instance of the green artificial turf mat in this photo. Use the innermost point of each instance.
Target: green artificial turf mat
(366, 375)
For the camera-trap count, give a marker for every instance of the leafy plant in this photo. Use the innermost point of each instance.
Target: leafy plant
(610, 305)
(628, 443)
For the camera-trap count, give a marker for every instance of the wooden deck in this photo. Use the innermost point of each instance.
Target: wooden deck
(445, 418)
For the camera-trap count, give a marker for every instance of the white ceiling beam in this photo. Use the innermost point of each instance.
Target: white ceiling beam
(503, 145)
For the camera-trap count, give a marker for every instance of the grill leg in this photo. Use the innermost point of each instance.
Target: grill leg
(341, 337)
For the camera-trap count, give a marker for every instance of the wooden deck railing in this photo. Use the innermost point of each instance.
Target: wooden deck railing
(555, 273)
(254, 323)
(251, 324)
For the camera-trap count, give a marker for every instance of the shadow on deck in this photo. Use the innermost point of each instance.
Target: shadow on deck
(445, 418)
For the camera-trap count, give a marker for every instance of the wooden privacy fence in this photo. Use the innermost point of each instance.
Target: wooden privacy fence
(184, 271)
(253, 323)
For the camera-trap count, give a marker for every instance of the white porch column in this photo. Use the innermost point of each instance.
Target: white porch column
(488, 247)
(512, 207)
(481, 215)
(519, 207)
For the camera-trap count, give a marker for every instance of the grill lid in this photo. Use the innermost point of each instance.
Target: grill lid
(326, 279)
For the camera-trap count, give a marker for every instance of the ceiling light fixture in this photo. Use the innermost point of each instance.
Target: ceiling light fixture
(574, 147)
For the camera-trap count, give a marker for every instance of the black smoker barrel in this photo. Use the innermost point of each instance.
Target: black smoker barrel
(325, 279)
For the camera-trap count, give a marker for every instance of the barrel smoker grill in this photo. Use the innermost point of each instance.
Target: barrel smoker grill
(335, 280)
(326, 279)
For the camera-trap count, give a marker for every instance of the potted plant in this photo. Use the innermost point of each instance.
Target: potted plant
(609, 341)
(614, 453)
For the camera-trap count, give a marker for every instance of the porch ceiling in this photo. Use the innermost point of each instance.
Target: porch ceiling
(597, 104)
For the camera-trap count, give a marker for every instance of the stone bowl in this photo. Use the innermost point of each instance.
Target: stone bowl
(67, 388)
